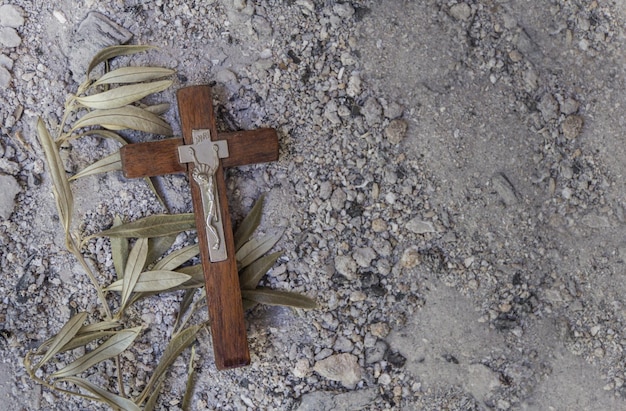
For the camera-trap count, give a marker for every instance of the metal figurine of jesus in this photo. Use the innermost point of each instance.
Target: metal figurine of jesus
(203, 153)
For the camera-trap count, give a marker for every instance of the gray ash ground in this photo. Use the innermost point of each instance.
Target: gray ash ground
(450, 184)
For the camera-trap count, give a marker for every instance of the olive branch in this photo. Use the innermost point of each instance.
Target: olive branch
(104, 108)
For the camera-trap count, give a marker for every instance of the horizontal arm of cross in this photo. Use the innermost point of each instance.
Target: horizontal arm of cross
(155, 158)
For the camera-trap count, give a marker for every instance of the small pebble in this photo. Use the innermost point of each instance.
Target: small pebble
(364, 256)
(372, 111)
(418, 226)
(340, 367)
(548, 107)
(396, 131)
(9, 37)
(380, 330)
(572, 126)
(343, 10)
(461, 11)
(379, 225)
(410, 257)
(346, 266)
(9, 187)
(11, 16)
(5, 77)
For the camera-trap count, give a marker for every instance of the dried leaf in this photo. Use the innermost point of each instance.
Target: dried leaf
(247, 304)
(60, 184)
(176, 345)
(255, 248)
(152, 226)
(190, 381)
(99, 326)
(153, 281)
(127, 117)
(81, 340)
(68, 331)
(108, 163)
(185, 303)
(249, 224)
(89, 329)
(196, 273)
(136, 262)
(150, 183)
(110, 348)
(158, 109)
(97, 133)
(152, 399)
(114, 51)
(125, 75)
(276, 297)
(103, 395)
(176, 258)
(122, 96)
(250, 276)
(119, 250)
(157, 246)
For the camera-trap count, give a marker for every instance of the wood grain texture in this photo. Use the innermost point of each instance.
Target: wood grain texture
(156, 158)
(228, 328)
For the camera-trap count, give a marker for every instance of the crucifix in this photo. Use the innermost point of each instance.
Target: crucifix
(203, 153)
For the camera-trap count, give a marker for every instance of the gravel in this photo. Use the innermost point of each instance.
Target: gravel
(449, 185)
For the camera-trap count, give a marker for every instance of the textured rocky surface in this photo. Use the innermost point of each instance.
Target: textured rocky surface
(450, 184)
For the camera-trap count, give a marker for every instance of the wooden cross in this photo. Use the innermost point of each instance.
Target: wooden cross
(202, 153)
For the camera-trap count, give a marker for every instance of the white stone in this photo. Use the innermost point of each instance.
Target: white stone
(9, 37)
(364, 256)
(5, 77)
(354, 85)
(346, 266)
(343, 10)
(418, 226)
(461, 11)
(340, 367)
(11, 16)
(9, 188)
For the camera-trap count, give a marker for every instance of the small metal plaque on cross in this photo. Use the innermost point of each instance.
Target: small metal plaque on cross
(203, 153)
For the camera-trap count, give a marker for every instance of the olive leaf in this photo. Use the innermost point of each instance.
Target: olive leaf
(247, 304)
(157, 246)
(249, 223)
(84, 330)
(277, 297)
(250, 276)
(110, 348)
(176, 258)
(255, 248)
(114, 51)
(197, 276)
(122, 96)
(152, 226)
(152, 399)
(158, 109)
(60, 185)
(119, 250)
(153, 281)
(81, 340)
(93, 132)
(112, 162)
(127, 117)
(136, 262)
(124, 75)
(185, 303)
(68, 331)
(190, 381)
(176, 345)
(103, 395)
